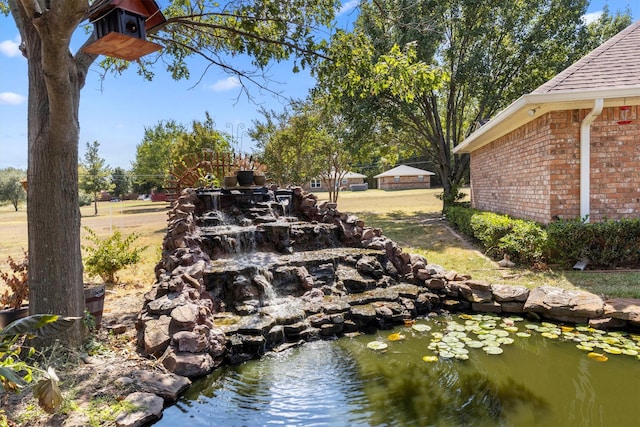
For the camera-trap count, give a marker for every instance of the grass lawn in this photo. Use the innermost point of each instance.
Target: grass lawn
(410, 217)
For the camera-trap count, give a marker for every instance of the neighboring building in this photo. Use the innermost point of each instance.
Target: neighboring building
(569, 149)
(404, 177)
(349, 179)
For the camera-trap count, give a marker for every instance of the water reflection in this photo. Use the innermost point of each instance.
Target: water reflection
(313, 386)
(535, 382)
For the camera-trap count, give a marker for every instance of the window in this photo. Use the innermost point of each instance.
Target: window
(345, 181)
(316, 183)
(396, 179)
(420, 178)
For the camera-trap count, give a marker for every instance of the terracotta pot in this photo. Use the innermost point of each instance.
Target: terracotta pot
(259, 180)
(245, 178)
(11, 314)
(230, 181)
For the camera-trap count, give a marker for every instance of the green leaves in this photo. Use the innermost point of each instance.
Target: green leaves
(109, 255)
(15, 372)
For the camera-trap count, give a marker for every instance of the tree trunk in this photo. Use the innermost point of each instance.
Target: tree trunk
(55, 260)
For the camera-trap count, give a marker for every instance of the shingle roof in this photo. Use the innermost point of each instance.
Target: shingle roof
(404, 170)
(615, 63)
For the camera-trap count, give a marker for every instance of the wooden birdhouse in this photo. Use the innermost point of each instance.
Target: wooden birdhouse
(120, 28)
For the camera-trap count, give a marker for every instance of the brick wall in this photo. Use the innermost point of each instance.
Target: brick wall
(404, 183)
(534, 171)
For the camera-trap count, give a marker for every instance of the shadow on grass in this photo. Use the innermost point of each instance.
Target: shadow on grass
(427, 234)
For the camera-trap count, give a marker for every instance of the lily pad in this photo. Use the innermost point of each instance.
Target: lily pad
(629, 352)
(377, 345)
(396, 337)
(523, 334)
(462, 356)
(584, 347)
(598, 357)
(430, 359)
(420, 327)
(500, 333)
(475, 344)
(505, 340)
(549, 335)
(446, 354)
(612, 350)
(492, 349)
(511, 328)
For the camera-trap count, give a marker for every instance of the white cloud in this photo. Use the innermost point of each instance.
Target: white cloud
(591, 17)
(11, 48)
(226, 84)
(11, 98)
(348, 6)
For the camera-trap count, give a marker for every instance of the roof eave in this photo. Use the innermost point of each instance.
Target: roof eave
(531, 106)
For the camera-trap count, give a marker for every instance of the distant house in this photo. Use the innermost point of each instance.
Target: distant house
(404, 177)
(569, 149)
(347, 181)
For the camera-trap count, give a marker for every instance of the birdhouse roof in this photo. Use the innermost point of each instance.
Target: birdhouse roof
(148, 9)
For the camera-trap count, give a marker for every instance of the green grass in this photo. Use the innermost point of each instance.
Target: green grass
(410, 217)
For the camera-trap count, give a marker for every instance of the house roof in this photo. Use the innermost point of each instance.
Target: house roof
(404, 170)
(610, 72)
(615, 63)
(350, 175)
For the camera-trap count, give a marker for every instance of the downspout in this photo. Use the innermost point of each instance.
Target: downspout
(585, 159)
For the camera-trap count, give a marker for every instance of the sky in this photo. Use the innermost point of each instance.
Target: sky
(116, 109)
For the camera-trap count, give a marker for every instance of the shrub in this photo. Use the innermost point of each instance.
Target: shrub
(109, 255)
(524, 241)
(16, 372)
(460, 217)
(489, 228)
(18, 283)
(606, 244)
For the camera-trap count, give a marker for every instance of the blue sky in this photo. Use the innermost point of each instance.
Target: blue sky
(114, 111)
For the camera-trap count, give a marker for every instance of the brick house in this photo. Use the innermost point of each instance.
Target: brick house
(404, 177)
(569, 149)
(350, 178)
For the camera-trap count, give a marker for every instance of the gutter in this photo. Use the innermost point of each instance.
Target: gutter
(585, 158)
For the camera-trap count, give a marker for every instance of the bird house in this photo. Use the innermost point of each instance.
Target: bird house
(120, 28)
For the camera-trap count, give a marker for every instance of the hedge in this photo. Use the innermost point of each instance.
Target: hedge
(606, 244)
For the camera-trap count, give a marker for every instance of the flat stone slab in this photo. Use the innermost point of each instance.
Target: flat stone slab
(168, 386)
(508, 293)
(563, 304)
(148, 408)
(623, 308)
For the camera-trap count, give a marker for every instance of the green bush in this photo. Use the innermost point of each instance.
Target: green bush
(108, 256)
(490, 228)
(526, 242)
(523, 241)
(606, 244)
(460, 217)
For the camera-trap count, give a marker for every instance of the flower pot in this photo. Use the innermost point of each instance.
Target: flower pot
(10, 315)
(259, 180)
(230, 181)
(94, 302)
(245, 178)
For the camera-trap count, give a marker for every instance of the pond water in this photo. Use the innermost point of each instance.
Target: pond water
(537, 380)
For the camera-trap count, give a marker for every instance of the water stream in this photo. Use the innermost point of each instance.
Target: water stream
(536, 382)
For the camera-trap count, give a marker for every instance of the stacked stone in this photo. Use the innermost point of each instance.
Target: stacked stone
(369, 282)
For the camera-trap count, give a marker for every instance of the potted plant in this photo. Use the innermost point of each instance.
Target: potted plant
(249, 171)
(15, 292)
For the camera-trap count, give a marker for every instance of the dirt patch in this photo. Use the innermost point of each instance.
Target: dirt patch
(89, 378)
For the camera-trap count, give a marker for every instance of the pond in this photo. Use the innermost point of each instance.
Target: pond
(447, 371)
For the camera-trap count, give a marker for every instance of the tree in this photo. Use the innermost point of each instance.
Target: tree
(11, 186)
(436, 69)
(121, 182)
(153, 155)
(266, 30)
(96, 174)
